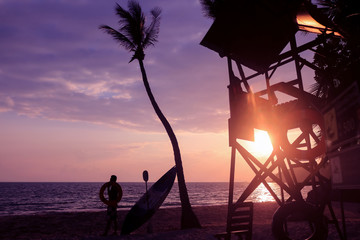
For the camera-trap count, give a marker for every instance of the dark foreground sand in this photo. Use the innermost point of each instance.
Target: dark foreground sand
(165, 223)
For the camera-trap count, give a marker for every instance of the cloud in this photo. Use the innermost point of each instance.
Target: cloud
(57, 64)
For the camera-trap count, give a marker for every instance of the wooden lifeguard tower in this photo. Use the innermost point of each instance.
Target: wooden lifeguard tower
(261, 36)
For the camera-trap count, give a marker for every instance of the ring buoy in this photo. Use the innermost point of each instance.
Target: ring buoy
(303, 119)
(109, 202)
(307, 212)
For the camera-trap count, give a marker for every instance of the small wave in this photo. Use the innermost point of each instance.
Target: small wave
(32, 198)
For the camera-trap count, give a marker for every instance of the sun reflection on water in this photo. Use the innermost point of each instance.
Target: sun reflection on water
(261, 194)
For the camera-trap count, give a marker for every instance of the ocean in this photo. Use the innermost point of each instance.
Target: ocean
(34, 198)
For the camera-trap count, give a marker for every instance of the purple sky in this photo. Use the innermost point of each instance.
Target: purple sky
(73, 109)
(56, 64)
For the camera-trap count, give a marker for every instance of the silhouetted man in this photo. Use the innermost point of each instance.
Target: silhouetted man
(114, 196)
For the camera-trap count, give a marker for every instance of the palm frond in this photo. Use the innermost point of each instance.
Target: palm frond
(152, 31)
(126, 22)
(135, 9)
(122, 39)
(211, 8)
(136, 25)
(124, 16)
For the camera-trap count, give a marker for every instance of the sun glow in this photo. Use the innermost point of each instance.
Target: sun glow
(263, 144)
(261, 147)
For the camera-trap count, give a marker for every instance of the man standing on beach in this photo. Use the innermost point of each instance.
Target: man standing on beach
(114, 191)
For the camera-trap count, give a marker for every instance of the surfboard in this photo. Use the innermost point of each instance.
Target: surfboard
(143, 210)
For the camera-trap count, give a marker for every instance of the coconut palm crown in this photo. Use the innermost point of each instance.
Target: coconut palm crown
(135, 36)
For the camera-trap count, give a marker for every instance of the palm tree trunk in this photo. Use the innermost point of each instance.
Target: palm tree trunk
(188, 217)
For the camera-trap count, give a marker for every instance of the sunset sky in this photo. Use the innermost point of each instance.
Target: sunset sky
(73, 109)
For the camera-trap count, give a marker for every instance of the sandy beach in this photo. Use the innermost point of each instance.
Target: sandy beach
(165, 224)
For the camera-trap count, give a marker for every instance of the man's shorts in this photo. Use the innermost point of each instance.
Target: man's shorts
(111, 212)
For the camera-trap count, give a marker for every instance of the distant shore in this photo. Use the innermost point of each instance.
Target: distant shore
(165, 224)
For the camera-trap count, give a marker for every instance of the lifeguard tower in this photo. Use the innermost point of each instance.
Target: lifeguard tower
(259, 38)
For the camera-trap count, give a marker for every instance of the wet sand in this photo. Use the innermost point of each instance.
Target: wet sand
(165, 224)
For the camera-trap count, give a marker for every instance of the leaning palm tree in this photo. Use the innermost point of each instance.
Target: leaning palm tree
(135, 36)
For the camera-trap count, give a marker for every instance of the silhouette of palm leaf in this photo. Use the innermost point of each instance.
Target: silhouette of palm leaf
(121, 38)
(211, 8)
(152, 32)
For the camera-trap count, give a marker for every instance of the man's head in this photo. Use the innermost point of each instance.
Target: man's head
(113, 178)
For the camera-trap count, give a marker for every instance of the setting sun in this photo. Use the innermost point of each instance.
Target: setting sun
(262, 142)
(262, 147)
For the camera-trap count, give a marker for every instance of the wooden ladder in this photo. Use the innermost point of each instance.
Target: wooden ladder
(241, 222)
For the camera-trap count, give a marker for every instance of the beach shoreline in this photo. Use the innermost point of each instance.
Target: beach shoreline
(165, 224)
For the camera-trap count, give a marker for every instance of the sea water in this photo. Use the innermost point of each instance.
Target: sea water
(34, 198)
